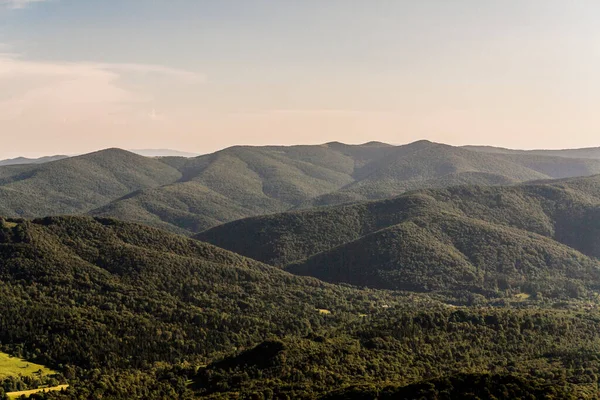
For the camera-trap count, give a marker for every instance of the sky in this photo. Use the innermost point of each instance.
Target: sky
(201, 75)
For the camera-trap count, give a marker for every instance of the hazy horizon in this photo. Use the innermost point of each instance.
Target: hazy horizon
(195, 154)
(199, 76)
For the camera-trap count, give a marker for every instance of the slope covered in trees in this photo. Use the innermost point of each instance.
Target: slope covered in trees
(243, 181)
(25, 160)
(455, 353)
(246, 181)
(124, 311)
(78, 184)
(589, 152)
(189, 195)
(84, 295)
(540, 237)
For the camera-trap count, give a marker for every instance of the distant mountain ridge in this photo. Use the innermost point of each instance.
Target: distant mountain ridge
(141, 152)
(190, 194)
(244, 181)
(586, 152)
(76, 185)
(25, 160)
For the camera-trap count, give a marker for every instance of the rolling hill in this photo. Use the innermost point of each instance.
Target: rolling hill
(240, 182)
(119, 269)
(78, 184)
(85, 295)
(125, 311)
(588, 152)
(540, 237)
(189, 195)
(247, 181)
(24, 160)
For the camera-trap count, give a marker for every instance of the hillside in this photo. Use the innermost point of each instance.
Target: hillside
(247, 181)
(189, 195)
(81, 294)
(124, 311)
(462, 353)
(589, 152)
(78, 184)
(540, 237)
(242, 181)
(25, 160)
(425, 164)
(102, 260)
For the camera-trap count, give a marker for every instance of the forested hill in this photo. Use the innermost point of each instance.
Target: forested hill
(25, 160)
(467, 353)
(78, 184)
(541, 237)
(589, 152)
(246, 181)
(124, 311)
(118, 271)
(189, 195)
(83, 295)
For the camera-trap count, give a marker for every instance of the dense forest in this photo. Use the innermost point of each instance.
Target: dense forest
(537, 238)
(125, 311)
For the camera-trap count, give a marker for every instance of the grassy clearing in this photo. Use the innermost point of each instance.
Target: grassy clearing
(14, 366)
(522, 296)
(27, 393)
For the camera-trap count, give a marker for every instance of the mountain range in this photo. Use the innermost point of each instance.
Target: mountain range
(141, 152)
(189, 195)
(538, 238)
(588, 152)
(335, 271)
(25, 160)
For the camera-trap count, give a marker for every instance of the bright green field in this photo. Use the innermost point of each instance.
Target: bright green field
(13, 366)
(27, 393)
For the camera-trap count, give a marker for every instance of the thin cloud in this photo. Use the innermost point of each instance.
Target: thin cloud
(78, 91)
(11, 64)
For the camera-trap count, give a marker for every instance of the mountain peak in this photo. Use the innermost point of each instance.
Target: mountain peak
(111, 153)
(25, 160)
(422, 142)
(375, 143)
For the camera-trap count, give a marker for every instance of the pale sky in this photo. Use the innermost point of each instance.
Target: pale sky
(200, 75)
